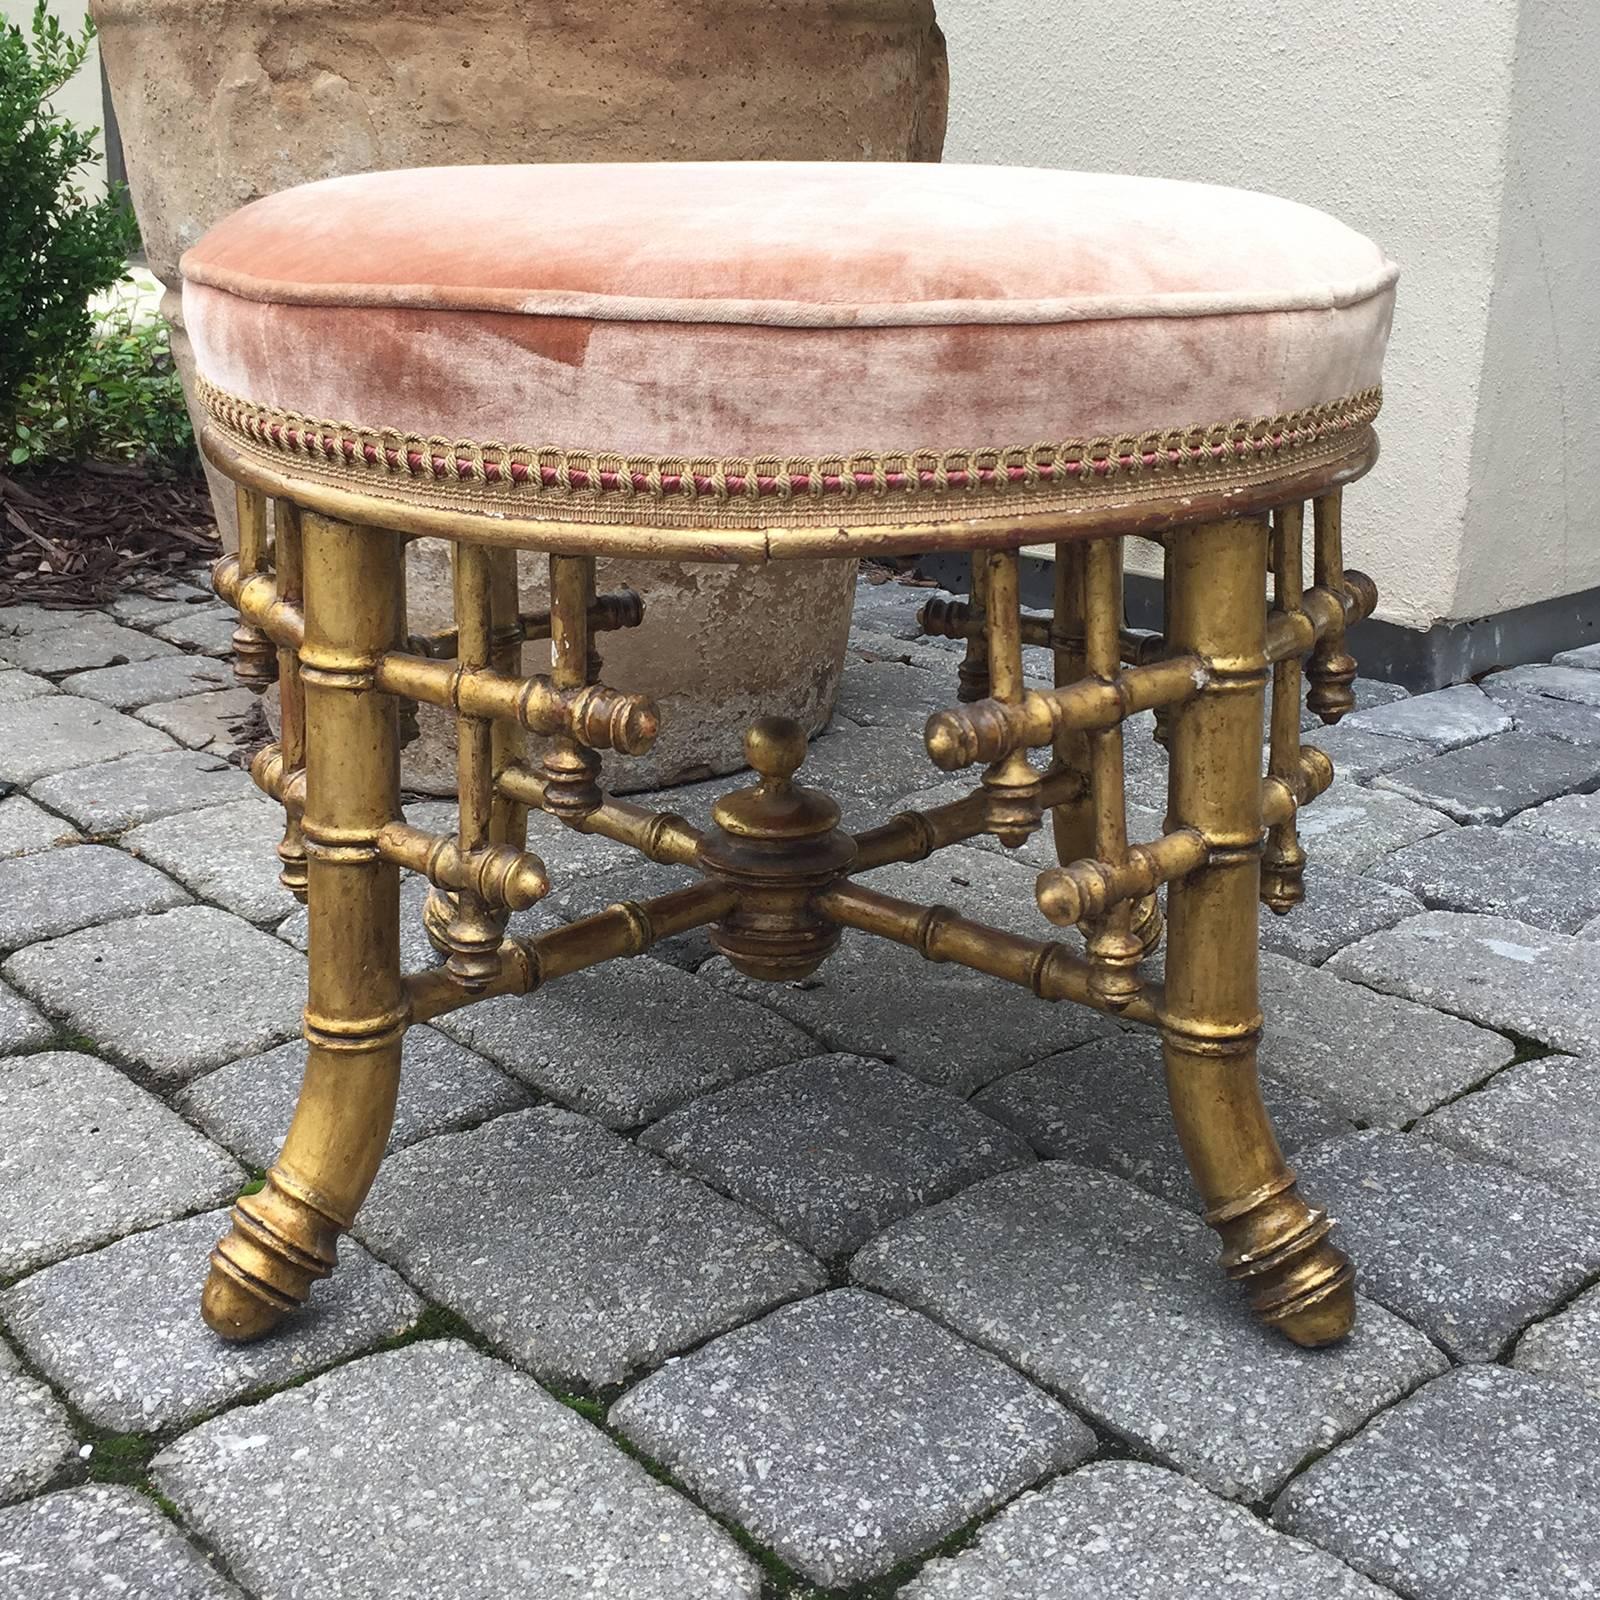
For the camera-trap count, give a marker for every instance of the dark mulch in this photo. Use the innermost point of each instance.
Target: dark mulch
(83, 535)
(879, 570)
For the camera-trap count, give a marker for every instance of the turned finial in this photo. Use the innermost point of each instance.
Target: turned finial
(775, 747)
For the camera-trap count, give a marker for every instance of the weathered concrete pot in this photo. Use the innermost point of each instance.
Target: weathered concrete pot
(705, 631)
(221, 101)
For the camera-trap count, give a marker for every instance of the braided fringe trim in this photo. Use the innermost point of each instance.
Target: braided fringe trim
(1244, 446)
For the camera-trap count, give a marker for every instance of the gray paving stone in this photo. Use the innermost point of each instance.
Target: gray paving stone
(835, 1148)
(626, 1042)
(114, 795)
(932, 655)
(26, 827)
(1370, 692)
(118, 1331)
(18, 621)
(1586, 656)
(1442, 718)
(984, 884)
(1144, 766)
(1348, 828)
(99, 1540)
(1373, 1058)
(1496, 778)
(50, 734)
(891, 694)
(1571, 818)
(226, 854)
(1502, 872)
(171, 600)
(1112, 1299)
(141, 683)
(949, 1026)
(85, 1156)
(177, 993)
(1105, 1105)
(1467, 1251)
(1490, 970)
(1338, 909)
(569, 855)
(892, 607)
(473, 1483)
(693, 801)
(572, 1250)
(1559, 682)
(866, 768)
(1122, 1530)
(21, 1026)
(1541, 1117)
(848, 1433)
(15, 685)
(59, 891)
(202, 721)
(1566, 1348)
(208, 629)
(1484, 1485)
(36, 1438)
(443, 1087)
(586, 894)
(1568, 720)
(1357, 754)
(89, 640)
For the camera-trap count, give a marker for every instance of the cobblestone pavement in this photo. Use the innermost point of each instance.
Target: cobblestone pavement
(678, 1287)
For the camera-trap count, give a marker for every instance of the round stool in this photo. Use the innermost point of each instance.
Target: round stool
(769, 362)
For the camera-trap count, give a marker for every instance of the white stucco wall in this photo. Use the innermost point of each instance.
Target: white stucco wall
(80, 100)
(1533, 512)
(1440, 127)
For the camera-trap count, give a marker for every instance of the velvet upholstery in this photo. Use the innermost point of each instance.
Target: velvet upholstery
(776, 311)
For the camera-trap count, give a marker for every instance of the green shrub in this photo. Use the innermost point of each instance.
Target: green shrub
(119, 399)
(57, 247)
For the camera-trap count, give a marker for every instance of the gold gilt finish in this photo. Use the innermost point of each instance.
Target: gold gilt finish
(322, 610)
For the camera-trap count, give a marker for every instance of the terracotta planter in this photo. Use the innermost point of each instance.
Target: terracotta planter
(220, 101)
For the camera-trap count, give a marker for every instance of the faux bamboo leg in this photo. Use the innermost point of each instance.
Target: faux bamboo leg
(1332, 669)
(508, 821)
(283, 1238)
(291, 697)
(571, 769)
(973, 675)
(1163, 728)
(471, 937)
(1011, 784)
(1072, 820)
(1114, 948)
(255, 660)
(1272, 1241)
(1284, 864)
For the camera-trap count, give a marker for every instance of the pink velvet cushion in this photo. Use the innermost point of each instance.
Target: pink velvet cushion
(792, 318)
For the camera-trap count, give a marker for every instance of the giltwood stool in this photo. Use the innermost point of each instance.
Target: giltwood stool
(731, 360)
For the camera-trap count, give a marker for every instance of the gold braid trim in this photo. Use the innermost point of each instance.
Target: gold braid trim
(909, 485)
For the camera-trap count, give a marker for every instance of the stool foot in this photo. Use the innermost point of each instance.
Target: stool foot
(234, 1312)
(1276, 1246)
(280, 1243)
